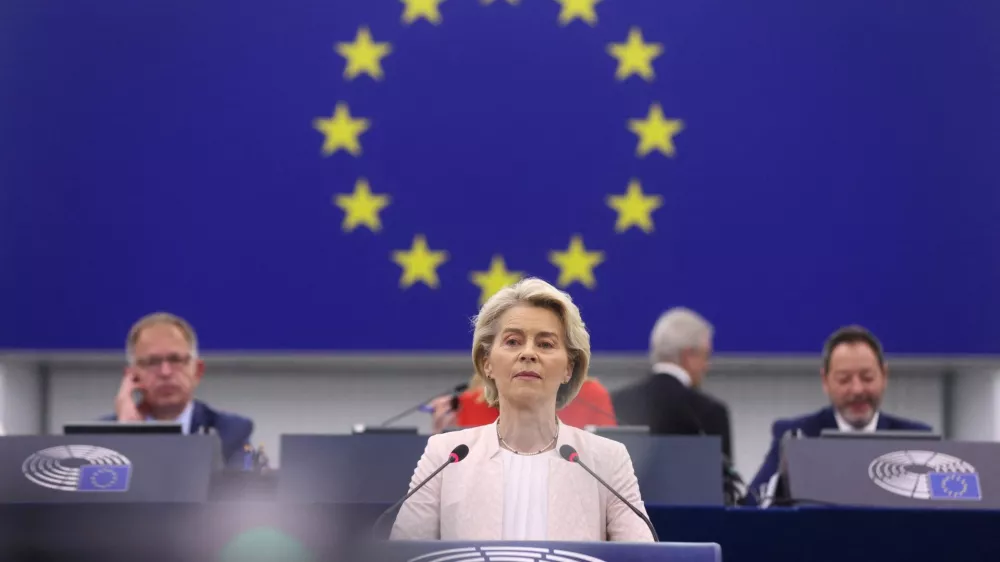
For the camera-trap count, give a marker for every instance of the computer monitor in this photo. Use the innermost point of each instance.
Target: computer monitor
(361, 429)
(123, 428)
(611, 430)
(882, 434)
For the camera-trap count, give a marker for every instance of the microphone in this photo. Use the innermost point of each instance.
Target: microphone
(456, 455)
(457, 389)
(570, 454)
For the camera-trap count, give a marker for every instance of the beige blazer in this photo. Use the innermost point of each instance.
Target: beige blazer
(465, 500)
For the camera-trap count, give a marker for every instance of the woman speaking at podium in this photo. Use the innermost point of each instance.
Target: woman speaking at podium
(532, 350)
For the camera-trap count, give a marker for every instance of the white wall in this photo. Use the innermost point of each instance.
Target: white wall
(21, 398)
(975, 396)
(330, 396)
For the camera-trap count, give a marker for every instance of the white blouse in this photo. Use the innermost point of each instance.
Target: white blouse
(525, 496)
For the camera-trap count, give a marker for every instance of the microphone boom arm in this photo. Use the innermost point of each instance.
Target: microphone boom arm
(457, 389)
(456, 455)
(620, 497)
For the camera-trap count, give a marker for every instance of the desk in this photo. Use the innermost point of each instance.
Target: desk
(221, 532)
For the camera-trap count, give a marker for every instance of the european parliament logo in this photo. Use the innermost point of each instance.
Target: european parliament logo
(926, 475)
(502, 553)
(79, 468)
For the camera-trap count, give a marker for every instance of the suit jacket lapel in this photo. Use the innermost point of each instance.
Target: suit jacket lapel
(825, 420)
(573, 499)
(199, 418)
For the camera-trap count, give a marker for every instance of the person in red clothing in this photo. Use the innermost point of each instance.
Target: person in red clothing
(592, 406)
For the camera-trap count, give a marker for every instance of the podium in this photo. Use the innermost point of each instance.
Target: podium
(676, 469)
(348, 469)
(107, 468)
(528, 551)
(377, 468)
(894, 473)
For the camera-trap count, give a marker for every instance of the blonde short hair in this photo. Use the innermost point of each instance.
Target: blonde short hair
(160, 318)
(532, 292)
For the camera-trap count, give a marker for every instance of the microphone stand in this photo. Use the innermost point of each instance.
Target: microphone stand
(731, 481)
(455, 390)
(455, 456)
(572, 456)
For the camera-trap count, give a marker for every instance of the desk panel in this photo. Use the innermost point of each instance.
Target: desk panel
(255, 530)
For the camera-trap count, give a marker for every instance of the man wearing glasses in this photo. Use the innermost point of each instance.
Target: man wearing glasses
(161, 376)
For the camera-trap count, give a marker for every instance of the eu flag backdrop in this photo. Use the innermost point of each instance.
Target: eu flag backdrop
(359, 174)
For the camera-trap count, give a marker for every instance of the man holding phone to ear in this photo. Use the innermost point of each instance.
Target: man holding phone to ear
(160, 378)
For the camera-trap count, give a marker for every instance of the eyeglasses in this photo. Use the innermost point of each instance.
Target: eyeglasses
(156, 361)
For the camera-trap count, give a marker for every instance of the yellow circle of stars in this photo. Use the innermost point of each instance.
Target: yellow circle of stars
(363, 56)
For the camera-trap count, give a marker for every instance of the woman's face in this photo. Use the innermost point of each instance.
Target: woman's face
(529, 360)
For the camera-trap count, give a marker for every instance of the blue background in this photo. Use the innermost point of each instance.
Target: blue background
(839, 165)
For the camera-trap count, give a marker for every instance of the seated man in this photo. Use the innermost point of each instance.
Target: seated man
(163, 371)
(854, 376)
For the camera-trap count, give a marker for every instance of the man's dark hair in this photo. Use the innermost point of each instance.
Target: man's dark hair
(851, 334)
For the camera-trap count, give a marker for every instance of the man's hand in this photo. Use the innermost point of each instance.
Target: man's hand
(442, 416)
(125, 406)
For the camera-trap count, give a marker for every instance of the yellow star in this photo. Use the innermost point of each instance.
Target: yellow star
(419, 263)
(634, 208)
(576, 263)
(428, 9)
(341, 131)
(583, 9)
(655, 131)
(635, 56)
(493, 280)
(361, 207)
(363, 55)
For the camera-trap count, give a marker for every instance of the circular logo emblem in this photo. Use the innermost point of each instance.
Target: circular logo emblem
(76, 468)
(913, 474)
(503, 553)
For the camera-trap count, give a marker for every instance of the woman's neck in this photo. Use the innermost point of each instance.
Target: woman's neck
(527, 431)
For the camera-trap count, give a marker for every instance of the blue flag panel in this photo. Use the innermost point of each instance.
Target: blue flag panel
(359, 174)
(104, 478)
(954, 486)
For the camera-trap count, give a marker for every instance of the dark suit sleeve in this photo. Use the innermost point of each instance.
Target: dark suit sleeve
(727, 432)
(235, 432)
(715, 418)
(770, 465)
(912, 426)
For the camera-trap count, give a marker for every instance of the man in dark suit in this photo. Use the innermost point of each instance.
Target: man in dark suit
(161, 376)
(670, 401)
(854, 376)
